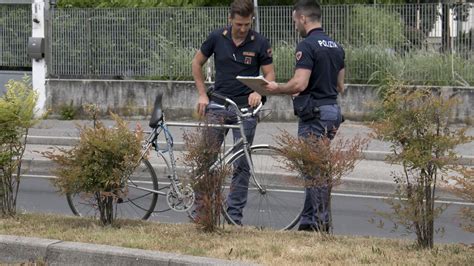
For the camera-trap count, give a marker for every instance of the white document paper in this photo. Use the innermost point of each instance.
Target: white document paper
(255, 83)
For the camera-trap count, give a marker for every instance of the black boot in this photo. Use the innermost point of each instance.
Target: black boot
(307, 227)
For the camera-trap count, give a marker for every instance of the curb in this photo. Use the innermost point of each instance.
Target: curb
(384, 188)
(17, 249)
(52, 140)
(382, 156)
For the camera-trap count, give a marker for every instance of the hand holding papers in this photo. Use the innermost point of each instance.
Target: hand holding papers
(257, 84)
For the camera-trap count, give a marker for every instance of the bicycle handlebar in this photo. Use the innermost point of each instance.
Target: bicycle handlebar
(242, 112)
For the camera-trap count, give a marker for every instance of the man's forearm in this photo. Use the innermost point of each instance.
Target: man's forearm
(268, 72)
(291, 87)
(270, 76)
(199, 79)
(201, 87)
(340, 81)
(340, 88)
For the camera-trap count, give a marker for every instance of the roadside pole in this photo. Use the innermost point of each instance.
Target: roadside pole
(36, 45)
(257, 16)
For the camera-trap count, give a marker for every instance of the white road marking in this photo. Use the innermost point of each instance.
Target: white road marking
(348, 195)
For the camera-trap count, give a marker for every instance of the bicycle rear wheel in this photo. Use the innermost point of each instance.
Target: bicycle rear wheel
(138, 203)
(275, 197)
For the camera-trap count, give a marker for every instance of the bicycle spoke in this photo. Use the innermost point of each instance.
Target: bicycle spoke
(136, 204)
(130, 199)
(279, 206)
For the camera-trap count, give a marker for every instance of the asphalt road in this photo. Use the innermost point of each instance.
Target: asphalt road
(351, 213)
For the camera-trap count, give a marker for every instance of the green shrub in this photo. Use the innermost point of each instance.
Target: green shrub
(362, 63)
(372, 64)
(284, 61)
(67, 111)
(106, 3)
(430, 68)
(376, 26)
(324, 160)
(201, 152)
(16, 117)
(96, 166)
(420, 67)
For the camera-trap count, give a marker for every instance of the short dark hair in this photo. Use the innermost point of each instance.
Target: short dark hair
(309, 8)
(242, 8)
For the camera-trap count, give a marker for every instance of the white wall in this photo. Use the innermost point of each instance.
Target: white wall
(466, 25)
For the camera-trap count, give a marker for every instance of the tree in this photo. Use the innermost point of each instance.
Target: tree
(416, 122)
(141, 3)
(155, 3)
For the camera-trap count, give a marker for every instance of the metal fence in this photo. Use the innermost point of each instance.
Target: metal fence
(15, 28)
(130, 42)
(412, 42)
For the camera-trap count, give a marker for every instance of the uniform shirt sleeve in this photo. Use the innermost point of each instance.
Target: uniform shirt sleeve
(304, 56)
(265, 56)
(207, 47)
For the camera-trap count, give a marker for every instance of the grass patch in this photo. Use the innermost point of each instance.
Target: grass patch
(234, 243)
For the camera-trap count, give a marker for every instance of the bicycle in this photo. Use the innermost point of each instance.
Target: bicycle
(271, 188)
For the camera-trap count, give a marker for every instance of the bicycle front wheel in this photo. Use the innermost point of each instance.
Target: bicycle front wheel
(274, 196)
(139, 200)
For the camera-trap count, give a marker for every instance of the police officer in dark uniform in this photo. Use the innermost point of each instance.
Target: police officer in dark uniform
(237, 50)
(318, 78)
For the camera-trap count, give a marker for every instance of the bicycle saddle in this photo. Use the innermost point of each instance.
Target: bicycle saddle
(157, 115)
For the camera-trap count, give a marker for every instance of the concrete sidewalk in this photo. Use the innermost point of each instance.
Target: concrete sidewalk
(60, 132)
(57, 129)
(65, 133)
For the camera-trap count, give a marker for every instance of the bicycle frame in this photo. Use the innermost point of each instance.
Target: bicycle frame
(162, 127)
(265, 198)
